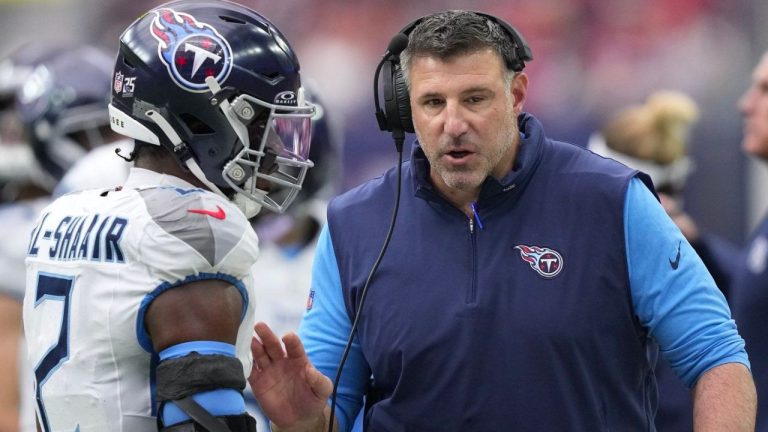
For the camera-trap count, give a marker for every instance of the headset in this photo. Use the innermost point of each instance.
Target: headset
(396, 115)
(396, 118)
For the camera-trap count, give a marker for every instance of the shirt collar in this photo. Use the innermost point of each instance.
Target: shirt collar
(140, 178)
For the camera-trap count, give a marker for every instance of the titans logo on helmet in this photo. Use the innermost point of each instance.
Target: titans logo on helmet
(191, 50)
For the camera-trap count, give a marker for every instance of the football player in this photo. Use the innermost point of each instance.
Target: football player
(139, 304)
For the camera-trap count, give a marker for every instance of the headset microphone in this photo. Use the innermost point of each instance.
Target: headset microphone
(397, 44)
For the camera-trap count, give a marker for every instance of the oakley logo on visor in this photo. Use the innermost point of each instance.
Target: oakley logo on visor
(286, 98)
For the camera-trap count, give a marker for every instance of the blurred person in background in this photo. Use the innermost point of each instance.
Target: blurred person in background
(523, 274)
(20, 176)
(744, 272)
(654, 138)
(57, 105)
(17, 167)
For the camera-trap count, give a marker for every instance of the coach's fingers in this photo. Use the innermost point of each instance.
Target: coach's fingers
(269, 341)
(293, 346)
(259, 354)
(321, 385)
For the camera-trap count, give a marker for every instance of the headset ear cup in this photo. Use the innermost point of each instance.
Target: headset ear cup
(403, 100)
(391, 117)
(397, 103)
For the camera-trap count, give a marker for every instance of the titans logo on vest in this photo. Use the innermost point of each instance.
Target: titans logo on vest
(547, 262)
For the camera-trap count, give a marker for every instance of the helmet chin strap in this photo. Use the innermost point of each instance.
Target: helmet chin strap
(179, 149)
(249, 207)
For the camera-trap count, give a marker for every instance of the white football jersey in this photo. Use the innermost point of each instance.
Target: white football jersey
(282, 283)
(282, 286)
(282, 280)
(95, 262)
(283, 277)
(16, 222)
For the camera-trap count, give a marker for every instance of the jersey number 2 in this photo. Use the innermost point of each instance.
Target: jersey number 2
(57, 288)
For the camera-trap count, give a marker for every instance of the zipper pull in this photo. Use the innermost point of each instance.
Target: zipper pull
(471, 226)
(476, 215)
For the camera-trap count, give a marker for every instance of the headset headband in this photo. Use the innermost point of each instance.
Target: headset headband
(523, 52)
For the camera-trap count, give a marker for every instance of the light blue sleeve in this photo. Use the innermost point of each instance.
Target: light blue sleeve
(674, 296)
(324, 330)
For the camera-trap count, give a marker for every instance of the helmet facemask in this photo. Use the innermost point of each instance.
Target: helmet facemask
(272, 167)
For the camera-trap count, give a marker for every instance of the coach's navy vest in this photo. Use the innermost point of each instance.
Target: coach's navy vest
(524, 325)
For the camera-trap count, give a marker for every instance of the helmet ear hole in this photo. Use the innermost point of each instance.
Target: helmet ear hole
(231, 19)
(271, 76)
(127, 62)
(195, 125)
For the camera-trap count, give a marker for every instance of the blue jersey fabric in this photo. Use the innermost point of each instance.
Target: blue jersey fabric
(574, 375)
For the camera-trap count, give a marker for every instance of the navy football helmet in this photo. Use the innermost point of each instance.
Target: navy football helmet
(63, 107)
(17, 163)
(218, 85)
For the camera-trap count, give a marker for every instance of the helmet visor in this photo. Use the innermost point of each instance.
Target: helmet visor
(294, 133)
(274, 164)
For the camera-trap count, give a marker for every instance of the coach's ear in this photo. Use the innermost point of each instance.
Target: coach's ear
(519, 89)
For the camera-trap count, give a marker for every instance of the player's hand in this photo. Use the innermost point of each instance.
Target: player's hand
(289, 389)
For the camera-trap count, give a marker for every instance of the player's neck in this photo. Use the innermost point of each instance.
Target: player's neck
(169, 167)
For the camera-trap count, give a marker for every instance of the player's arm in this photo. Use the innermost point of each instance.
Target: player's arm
(194, 327)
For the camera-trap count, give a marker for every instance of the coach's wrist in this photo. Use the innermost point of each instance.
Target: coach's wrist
(316, 424)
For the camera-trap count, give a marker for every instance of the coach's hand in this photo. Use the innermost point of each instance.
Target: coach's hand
(290, 390)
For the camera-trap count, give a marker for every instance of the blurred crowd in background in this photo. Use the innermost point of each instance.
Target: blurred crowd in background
(591, 58)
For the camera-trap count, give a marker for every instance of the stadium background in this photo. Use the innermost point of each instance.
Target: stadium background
(591, 58)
